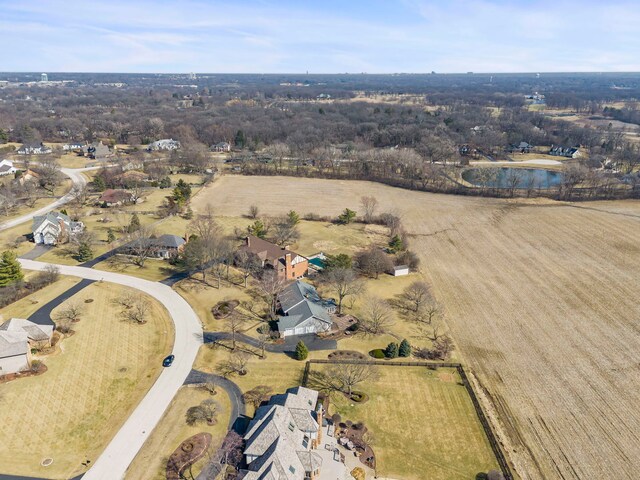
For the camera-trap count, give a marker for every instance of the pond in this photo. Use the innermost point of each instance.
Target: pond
(507, 177)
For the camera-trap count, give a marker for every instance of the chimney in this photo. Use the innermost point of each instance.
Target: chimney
(287, 262)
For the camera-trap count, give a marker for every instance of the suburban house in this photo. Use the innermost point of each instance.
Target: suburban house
(54, 228)
(303, 311)
(522, 147)
(221, 147)
(67, 147)
(38, 336)
(113, 198)
(284, 439)
(7, 168)
(27, 176)
(133, 177)
(164, 144)
(14, 352)
(288, 264)
(568, 152)
(165, 246)
(33, 149)
(96, 151)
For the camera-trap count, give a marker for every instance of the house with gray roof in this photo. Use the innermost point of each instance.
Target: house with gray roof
(303, 311)
(54, 228)
(33, 149)
(282, 440)
(164, 144)
(7, 168)
(165, 246)
(14, 352)
(38, 336)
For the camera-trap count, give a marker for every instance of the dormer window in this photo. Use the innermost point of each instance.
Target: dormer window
(305, 442)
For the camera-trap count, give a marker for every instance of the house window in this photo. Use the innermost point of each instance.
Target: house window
(291, 469)
(291, 426)
(305, 442)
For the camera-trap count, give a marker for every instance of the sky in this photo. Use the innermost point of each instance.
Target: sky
(327, 36)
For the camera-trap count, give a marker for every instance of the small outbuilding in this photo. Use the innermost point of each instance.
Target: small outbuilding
(400, 270)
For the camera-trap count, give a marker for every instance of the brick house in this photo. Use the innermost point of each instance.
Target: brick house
(288, 264)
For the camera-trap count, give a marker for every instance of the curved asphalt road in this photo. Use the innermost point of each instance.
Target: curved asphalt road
(79, 180)
(115, 459)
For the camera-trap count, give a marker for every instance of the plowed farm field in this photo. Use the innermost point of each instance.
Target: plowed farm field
(541, 299)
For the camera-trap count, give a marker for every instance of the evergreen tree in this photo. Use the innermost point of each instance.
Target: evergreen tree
(85, 253)
(134, 225)
(182, 192)
(405, 349)
(392, 350)
(302, 352)
(258, 229)
(396, 244)
(342, 260)
(240, 139)
(10, 269)
(165, 182)
(4, 137)
(99, 184)
(293, 218)
(346, 217)
(110, 236)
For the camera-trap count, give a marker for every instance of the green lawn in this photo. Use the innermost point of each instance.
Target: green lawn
(423, 423)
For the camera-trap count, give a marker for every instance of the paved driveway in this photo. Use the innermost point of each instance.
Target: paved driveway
(114, 461)
(313, 342)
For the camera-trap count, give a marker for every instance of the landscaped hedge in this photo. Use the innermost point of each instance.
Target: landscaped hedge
(377, 353)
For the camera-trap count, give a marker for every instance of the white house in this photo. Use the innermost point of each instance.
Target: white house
(303, 311)
(221, 147)
(7, 168)
(38, 336)
(164, 144)
(72, 146)
(14, 352)
(33, 149)
(54, 228)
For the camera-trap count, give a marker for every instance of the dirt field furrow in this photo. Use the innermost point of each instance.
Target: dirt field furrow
(541, 298)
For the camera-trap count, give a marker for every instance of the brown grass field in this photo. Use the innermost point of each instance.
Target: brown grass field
(541, 299)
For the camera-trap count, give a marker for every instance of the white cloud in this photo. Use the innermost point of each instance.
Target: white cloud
(250, 36)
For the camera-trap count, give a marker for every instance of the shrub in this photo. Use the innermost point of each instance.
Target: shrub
(377, 353)
(392, 350)
(405, 349)
(336, 418)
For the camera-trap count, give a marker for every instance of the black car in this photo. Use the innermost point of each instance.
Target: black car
(168, 361)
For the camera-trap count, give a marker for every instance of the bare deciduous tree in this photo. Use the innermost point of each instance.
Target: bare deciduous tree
(271, 284)
(369, 206)
(138, 312)
(235, 321)
(416, 295)
(236, 364)
(71, 311)
(343, 282)
(376, 315)
(257, 395)
(350, 375)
